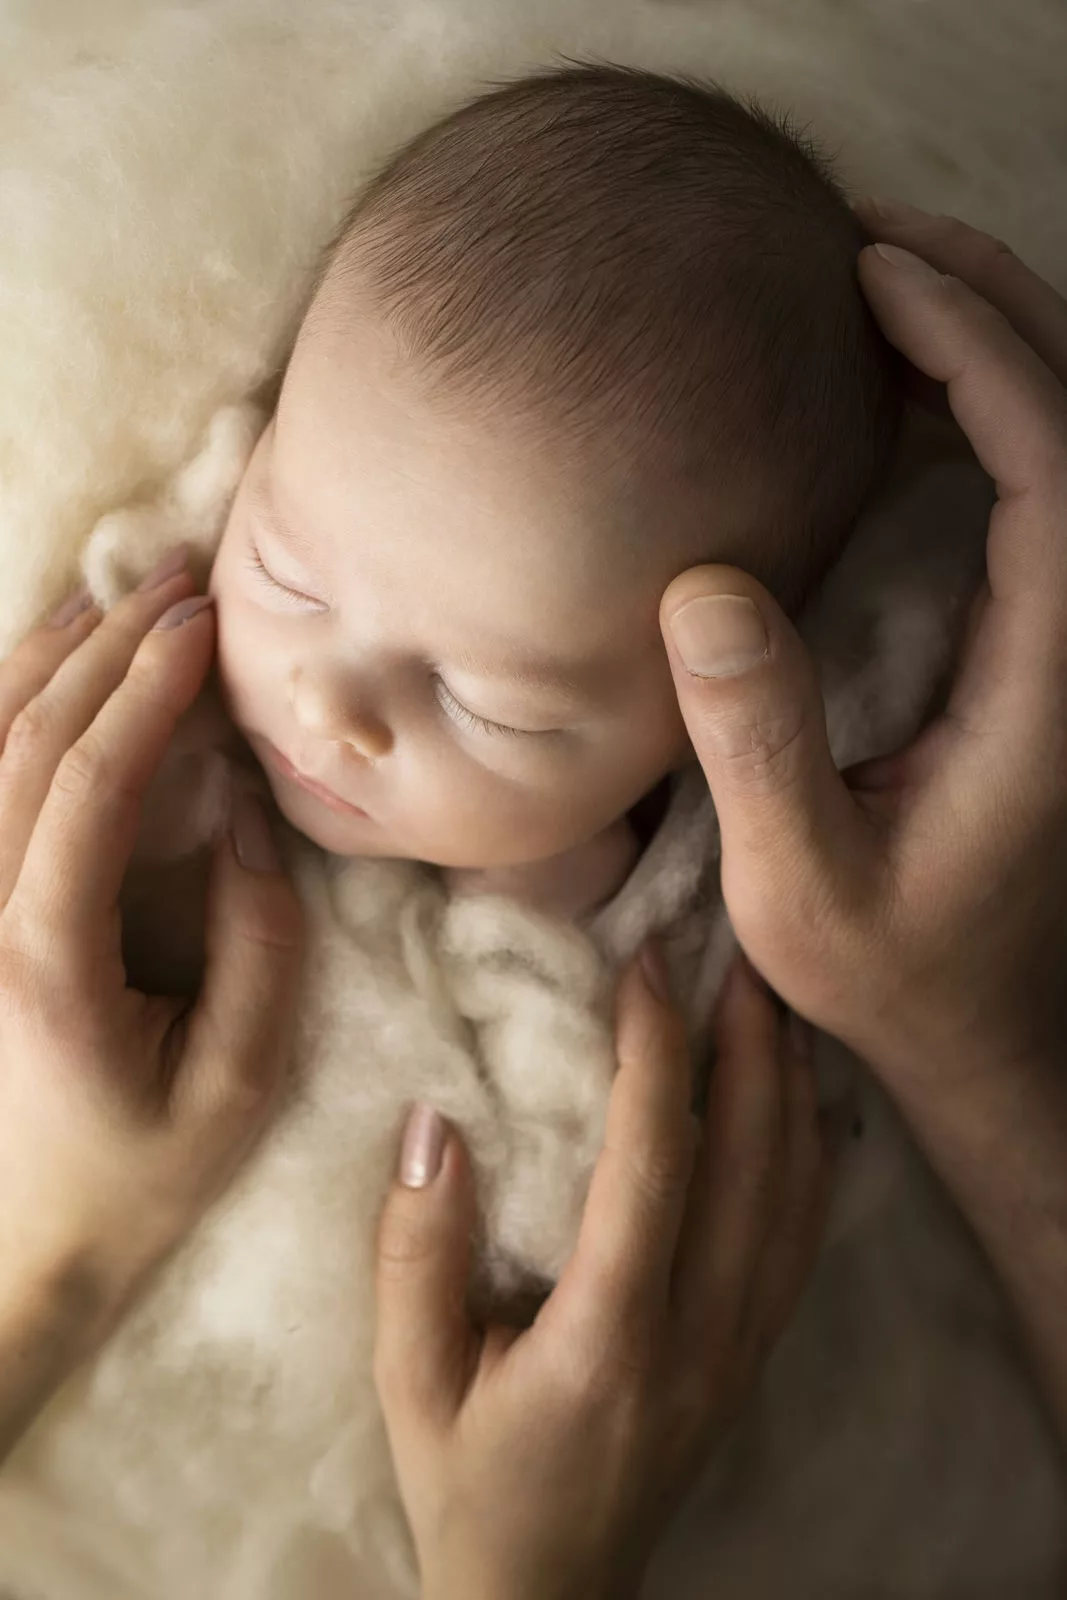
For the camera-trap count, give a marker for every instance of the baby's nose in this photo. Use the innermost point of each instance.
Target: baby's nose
(334, 714)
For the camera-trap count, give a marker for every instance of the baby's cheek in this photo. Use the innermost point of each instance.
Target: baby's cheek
(466, 816)
(241, 652)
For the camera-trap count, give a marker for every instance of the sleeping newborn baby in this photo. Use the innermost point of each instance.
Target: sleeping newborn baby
(589, 330)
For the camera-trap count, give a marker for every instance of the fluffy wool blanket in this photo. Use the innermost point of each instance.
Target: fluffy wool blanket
(173, 171)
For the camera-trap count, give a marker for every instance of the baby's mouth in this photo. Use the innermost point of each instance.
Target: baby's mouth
(282, 764)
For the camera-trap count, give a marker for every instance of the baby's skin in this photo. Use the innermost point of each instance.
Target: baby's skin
(448, 627)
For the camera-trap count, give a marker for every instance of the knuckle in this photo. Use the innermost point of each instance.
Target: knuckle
(40, 987)
(967, 248)
(146, 691)
(660, 1174)
(403, 1245)
(278, 930)
(84, 770)
(248, 1089)
(619, 1378)
(32, 730)
(696, 1395)
(765, 754)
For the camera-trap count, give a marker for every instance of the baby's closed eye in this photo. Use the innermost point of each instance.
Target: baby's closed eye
(466, 718)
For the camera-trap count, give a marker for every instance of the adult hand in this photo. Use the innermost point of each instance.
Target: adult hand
(917, 910)
(121, 1115)
(542, 1463)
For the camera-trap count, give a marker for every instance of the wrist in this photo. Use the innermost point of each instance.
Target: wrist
(942, 1051)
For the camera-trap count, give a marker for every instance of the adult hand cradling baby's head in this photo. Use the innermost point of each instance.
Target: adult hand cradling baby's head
(865, 903)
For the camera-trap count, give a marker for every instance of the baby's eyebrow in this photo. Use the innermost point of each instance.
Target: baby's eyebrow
(265, 510)
(577, 679)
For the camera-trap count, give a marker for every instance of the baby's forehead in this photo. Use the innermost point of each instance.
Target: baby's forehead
(478, 514)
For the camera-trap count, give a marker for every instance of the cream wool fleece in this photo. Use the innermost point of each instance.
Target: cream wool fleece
(171, 171)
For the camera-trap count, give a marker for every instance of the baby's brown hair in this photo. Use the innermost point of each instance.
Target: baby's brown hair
(651, 260)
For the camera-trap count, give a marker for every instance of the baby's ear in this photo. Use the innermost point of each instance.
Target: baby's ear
(191, 508)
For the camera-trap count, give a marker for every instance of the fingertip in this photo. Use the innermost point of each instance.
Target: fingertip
(716, 622)
(745, 993)
(422, 1147)
(711, 579)
(910, 269)
(647, 1021)
(654, 970)
(422, 1265)
(252, 836)
(252, 881)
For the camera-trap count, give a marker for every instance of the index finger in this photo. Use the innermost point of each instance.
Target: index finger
(84, 836)
(1014, 412)
(1036, 311)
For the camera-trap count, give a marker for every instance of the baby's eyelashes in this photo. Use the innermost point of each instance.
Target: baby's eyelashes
(265, 577)
(470, 719)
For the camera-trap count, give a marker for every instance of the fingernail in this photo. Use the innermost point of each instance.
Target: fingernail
(654, 967)
(904, 258)
(892, 210)
(173, 562)
(177, 614)
(423, 1147)
(72, 607)
(719, 635)
(801, 1036)
(252, 835)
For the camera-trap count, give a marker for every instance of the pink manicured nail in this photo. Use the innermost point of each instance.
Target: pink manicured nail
(173, 562)
(424, 1144)
(177, 614)
(72, 607)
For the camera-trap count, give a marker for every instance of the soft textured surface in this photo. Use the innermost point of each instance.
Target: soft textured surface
(168, 173)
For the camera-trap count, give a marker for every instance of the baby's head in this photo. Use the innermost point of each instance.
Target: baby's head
(590, 330)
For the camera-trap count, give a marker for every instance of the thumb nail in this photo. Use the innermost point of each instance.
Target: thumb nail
(718, 635)
(423, 1147)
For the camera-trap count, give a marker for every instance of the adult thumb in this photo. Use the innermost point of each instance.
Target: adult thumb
(424, 1337)
(751, 702)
